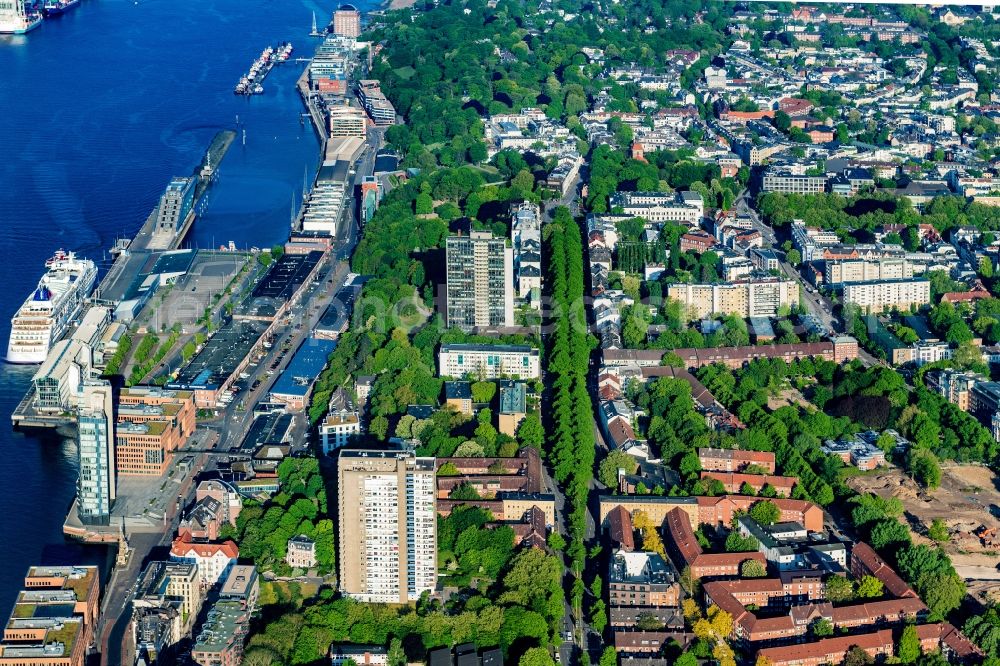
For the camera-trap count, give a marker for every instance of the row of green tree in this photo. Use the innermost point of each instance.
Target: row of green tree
(569, 426)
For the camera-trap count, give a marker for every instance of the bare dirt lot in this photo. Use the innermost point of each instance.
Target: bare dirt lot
(968, 501)
(788, 396)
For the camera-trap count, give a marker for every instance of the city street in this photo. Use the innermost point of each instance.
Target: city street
(226, 432)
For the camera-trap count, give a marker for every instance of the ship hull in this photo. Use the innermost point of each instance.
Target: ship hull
(59, 9)
(25, 358)
(22, 28)
(34, 329)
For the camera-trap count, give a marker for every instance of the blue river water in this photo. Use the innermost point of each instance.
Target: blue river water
(98, 109)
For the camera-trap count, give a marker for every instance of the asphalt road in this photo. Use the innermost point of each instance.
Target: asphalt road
(231, 427)
(820, 306)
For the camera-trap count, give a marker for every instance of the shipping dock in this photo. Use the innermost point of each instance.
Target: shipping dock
(131, 280)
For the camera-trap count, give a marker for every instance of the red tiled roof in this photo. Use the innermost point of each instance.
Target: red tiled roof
(951, 638)
(828, 649)
(964, 296)
(181, 548)
(871, 611)
(756, 481)
(620, 527)
(621, 432)
(862, 554)
(679, 529)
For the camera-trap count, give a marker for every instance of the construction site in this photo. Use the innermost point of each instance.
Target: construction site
(968, 501)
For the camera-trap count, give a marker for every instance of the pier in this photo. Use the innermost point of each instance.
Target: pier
(127, 265)
(250, 83)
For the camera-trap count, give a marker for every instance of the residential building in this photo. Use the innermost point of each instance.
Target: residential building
(718, 510)
(480, 281)
(526, 237)
(221, 637)
(786, 182)
(388, 525)
(881, 295)
(342, 422)
(375, 103)
(228, 497)
(749, 298)
(513, 406)
(984, 404)
(838, 350)
(301, 552)
(685, 208)
(203, 521)
(167, 601)
(733, 482)
(829, 650)
(684, 547)
(213, 559)
(866, 562)
(836, 273)
(493, 477)
(488, 361)
(458, 396)
(642, 579)
(96, 486)
(955, 385)
(765, 259)
(242, 584)
(344, 654)
(347, 121)
(347, 21)
(735, 460)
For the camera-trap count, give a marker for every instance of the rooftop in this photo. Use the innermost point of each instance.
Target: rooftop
(220, 356)
(305, 366)
(222, 626)
(641, 567)
(513, 397)
(474, 347)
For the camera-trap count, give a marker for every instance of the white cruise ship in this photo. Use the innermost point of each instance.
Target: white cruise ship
(50, 308)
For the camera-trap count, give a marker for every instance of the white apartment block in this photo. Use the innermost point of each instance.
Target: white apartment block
(336, 430)
(388, 525)
(792, 183)
(753, 298)
(480, 281)
(882, 295)
(862, 270)
(488, 361)
(931, 352)
(682, 207)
